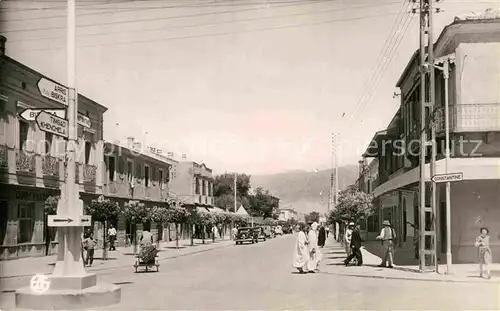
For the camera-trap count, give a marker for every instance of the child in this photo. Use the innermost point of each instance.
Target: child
(483, 245)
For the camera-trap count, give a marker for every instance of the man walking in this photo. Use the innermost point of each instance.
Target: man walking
(347, 239)
(112, 237)
(387, 235)
(355, 248)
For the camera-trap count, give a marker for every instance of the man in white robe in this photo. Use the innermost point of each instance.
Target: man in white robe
(314, 249)
(301, 253)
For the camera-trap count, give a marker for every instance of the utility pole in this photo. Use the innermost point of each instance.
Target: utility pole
(235, 179)
(335, 139)
(427, 101)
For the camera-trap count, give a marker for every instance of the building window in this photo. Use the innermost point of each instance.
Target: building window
(23, 134)
(203, 189)
(26, 221)
(146, 175)
(88, 148)
(48, 142)
(130, 172)
(111, 168)
(197, 185)
(138, 171)
(160, 178)
(3, 115)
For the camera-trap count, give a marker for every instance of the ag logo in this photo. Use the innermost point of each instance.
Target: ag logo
(40, 283)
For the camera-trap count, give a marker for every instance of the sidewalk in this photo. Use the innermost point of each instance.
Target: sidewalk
(334, 256)
(122, 257)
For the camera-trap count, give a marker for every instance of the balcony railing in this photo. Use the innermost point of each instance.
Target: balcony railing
(25, 161)
(89, 172)
(3, 156)
(470, 118)
(50, 166)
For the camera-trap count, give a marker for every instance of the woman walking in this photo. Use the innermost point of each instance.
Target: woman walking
(301, 253)
(484, 250)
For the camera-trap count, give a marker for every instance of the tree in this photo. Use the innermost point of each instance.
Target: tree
(262, 204)
(176, 215)
(312, 217)
(352, 205)
(103, 210)
(136, 213)
(224, 184)
(159, 215)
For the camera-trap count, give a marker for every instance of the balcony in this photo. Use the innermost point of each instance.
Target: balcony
(50, 166)
(470, 118)
(89, 173)
(3, 156)
(25, 162)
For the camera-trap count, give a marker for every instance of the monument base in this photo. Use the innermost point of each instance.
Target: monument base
(68, 299)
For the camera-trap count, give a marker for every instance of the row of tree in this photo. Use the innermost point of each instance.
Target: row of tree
(260, 203)
(105, 210)
(353, 205)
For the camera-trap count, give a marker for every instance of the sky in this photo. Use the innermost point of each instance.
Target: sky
(252, 86)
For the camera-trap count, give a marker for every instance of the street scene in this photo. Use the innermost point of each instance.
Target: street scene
(249, 155)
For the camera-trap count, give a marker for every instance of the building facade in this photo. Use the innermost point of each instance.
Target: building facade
(134, 173)
(32, 161)
(470, 47)
(286, 214)
(193, 183)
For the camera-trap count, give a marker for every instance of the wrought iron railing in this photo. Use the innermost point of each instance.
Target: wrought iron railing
(89, 172)
(25, 161)
(469, 118)
(50, 165)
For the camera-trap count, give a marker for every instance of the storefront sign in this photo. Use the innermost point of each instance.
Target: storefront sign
(27, 195)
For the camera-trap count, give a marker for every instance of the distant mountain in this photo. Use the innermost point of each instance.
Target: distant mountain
(302, 190)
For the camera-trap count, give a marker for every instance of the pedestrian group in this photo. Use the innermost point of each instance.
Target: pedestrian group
(307, 254)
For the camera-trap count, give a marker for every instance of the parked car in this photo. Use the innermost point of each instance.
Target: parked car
(287, 229)
(268, 231)
(259, 232)
(246, 235)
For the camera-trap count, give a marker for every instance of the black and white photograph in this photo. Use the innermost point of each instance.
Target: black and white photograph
(249, 155)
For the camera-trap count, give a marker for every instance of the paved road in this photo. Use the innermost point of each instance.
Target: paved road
(260, 276)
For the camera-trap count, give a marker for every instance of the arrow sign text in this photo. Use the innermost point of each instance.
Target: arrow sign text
(52, 124)
(30, 114)
(447, 177)
(53, 91)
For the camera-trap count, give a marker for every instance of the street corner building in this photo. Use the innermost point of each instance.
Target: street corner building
(32, 159)
(470, 46)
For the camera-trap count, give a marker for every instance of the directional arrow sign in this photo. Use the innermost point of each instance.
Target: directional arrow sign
(53, 91)
(52, 124)
(30, 114)
(450, 177)
(59, 221)
(85, 220)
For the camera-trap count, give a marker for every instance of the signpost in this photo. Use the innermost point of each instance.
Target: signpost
(31, 114)
(52, 124)
(53, 91)
(450, 177)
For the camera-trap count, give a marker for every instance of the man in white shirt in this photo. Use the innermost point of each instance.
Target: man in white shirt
(347, 238)
(387, 235)
(112, 237)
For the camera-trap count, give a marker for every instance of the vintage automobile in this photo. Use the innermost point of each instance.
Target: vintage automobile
(269, 232)
(278, 230)
(246, 234)
(259, 231)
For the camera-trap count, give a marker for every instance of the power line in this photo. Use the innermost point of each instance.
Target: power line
(192, 25)
(218, 34)
(381, 58)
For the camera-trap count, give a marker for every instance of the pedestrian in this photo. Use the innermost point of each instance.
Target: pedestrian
(321, 236)
(484, 252)
(221, 232)
(416, 240)
(234, 231)
(301, 254)
(327, 231)
(315, 253)
(89, 244)
(112, 237)
(146, 238)
(215, 232)
(355, 248)
(347, 238)
(387, 236)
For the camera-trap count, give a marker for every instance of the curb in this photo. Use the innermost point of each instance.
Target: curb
(491, 282)
(123, 266)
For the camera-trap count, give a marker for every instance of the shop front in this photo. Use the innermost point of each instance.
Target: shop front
(23, 230)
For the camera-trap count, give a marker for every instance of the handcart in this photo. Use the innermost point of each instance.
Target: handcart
(147, 258)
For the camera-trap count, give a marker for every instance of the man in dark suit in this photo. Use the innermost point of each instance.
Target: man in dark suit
(321, 236)
(355, 248)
